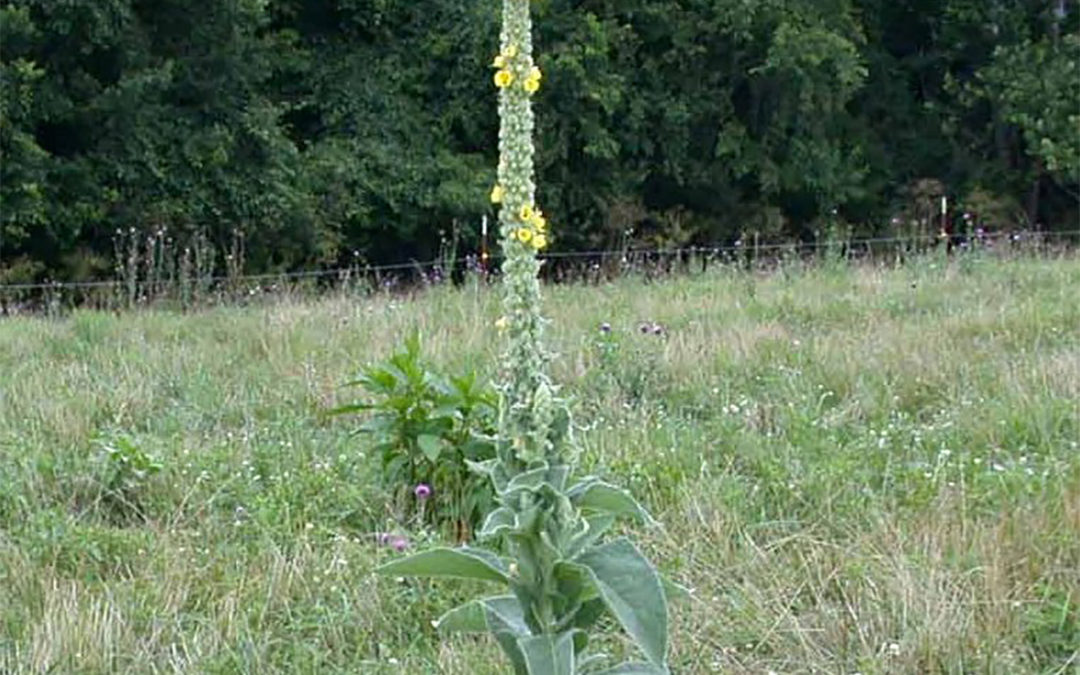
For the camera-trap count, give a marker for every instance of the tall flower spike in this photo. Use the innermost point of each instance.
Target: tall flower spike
(539, 520)
(525, 357)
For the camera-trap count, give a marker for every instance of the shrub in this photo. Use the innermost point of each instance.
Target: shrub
(426, 426)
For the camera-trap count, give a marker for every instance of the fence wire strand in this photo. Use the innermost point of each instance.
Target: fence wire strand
(599, 254)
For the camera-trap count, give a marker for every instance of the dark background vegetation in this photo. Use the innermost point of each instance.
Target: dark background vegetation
(314, 133)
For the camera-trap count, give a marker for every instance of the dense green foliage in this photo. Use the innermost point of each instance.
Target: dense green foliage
(325, 131)
(424, 428)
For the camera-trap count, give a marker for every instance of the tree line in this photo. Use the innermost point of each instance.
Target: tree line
(308, 133)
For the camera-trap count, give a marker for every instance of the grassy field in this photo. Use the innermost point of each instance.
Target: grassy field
(857, 470)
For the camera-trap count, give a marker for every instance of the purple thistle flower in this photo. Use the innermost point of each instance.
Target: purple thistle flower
(422, 491)
(400, 544)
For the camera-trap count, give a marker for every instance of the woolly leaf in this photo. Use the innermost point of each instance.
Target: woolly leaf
(632, 591)
(462, 563)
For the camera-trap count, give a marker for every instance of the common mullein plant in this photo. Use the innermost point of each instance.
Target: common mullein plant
(548, 549)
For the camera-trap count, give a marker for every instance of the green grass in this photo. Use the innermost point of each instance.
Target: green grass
(857, 470)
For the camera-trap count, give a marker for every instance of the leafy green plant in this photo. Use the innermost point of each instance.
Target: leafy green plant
(426, 427)
(561, 575)
(558, 571)
(125, 471)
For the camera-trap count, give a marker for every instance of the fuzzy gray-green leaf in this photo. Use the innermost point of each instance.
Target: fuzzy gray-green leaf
(462, 563)
(500, 613)
(632, 591)
(595, 527)
(635, 669)
(498, 520)
(606, 498)
(548, 654)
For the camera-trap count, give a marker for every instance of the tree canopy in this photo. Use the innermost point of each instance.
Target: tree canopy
(316, 132)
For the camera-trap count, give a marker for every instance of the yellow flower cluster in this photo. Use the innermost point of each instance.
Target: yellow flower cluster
(532, 81)
(533, 230)
(504, 75)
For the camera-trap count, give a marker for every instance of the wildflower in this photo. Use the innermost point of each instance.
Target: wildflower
(539, 222)
(503, 78)
(532, 80)
(510, 51)
(526, 213)
(400, 544)
(539, 241)
(499, 62)
(502, 322)
(523, 235)
(422, 491)
(497, 194)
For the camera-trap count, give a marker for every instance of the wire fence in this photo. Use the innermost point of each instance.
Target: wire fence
(188, 291)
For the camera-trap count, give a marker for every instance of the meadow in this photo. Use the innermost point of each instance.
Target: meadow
(856, 469)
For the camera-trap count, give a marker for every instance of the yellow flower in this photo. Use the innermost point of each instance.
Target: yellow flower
(503, 78)
(523, 235)
(535, 74)
(531, 85)
(510, 51)
(502, 322)
(526, 213)
(499, 62)
(539, 222)
(539, 241)
(497, 193)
